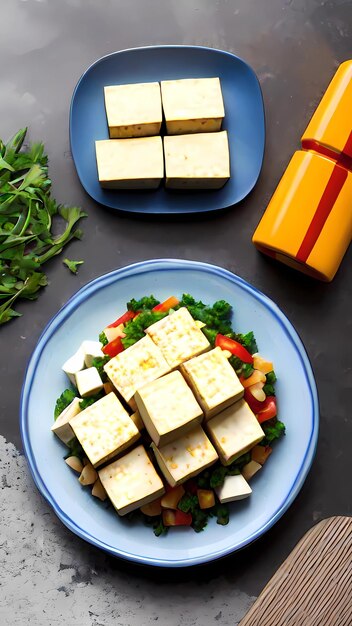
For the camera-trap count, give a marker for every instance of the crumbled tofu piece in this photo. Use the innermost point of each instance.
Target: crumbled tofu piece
(104, 429)
(168, 408)
(213, 381)
(135, 367)
(133, 110)
(88, 382)
(234, 488)
(61, 426)
(234, 431)
(92, 350)
(178, 337)
(192, 105)
(130, 163)
(185, 457)
(197, 161)
(131, 481)
(74, 364)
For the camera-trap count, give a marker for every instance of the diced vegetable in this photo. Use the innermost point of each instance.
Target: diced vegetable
(113, 332)
(74, 463)
(126, 317)
(206, 498)
(152, 509)
(113, 348)
(273, 431)
(268, 411)
(88, 475)
(256, 377)
(257, 391)
(249, 470)
(168, 304)
(260, 454)
(225, 343)
(176, 518)
(172, 497)
(254, 405)
(259, 363)
(98, 490)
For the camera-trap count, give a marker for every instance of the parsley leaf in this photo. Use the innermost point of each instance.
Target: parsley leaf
(72, 265)
(63, 401)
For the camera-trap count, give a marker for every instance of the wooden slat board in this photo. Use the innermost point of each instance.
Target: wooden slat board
(313, 587)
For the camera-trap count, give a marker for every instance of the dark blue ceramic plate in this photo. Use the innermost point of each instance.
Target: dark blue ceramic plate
(244, 122)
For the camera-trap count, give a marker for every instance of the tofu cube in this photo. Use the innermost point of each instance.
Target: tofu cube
(130, 163)
(135, 367)
(133, 110)
(104, 429)
(131, 481)
(92, 350)
(178, 337)
(197, 161)
(234, 431)
(250, 469)
(168, 408)
(137, 420)
(185, 457)
(74, 364)
(88, 382)
(61, 426)
(213, 381)
(192, 105)
(234, 488)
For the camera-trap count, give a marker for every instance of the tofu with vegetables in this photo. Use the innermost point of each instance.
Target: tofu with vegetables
(168, 408)
(104, 429)
(234, 431)
(133, 110)
(185, 457)
(192, 105)
(234, 488)
(178, 336)
(135, 367)
(131, 481)
(197, 161)
(130, 163)
(61, 427)
(213, 381)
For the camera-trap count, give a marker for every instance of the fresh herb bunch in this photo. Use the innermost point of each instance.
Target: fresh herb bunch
(26, 221)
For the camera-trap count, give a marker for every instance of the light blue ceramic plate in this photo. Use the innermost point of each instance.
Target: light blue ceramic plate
(244, 121)
(83, 317)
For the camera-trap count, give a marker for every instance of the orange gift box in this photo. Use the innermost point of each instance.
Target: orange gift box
(308, 222)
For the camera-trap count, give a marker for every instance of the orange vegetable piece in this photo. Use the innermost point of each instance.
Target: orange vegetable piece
(206, 498)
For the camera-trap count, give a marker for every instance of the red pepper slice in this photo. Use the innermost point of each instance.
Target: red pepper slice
(126, 317)
(168, 304)
(225, 343)
(176, 518)
(269, 411)
(113, 348)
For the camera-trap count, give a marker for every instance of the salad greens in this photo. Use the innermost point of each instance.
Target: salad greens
(28, 216)
(63, 401)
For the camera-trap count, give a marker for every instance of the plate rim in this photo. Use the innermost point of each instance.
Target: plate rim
(75, 301)
(164, 211)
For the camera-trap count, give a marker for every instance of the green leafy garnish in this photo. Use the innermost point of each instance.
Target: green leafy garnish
(218, 476)
(247, 340)
(216, 317)
(89, 401)
(269, 390)
(222, 514)
(134, 330)
(99, 362)
(199, 520)
(247, 370)
(271, 378)
(148, 302)
(103, 338)
(63, 402)
(72, 265)
(27, 218)
(159, 528)
(188, 503)
(75, 449)
(272, 431)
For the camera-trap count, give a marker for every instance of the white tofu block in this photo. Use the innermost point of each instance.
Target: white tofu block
(185, 457)
(192, 105)
(74, 364)
(250, 469)
(133, 110)
(178, 337)
(135, 367)
(137, 420)
(104, 429)
(131, 481)
(92, 350)
(61, 426)
(168, 408)
(88, 382)
(234, 431)
(130, 163)
(213, 381)
(197, 161)
(234, 488)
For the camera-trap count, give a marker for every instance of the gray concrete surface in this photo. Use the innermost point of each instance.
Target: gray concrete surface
(47, 575)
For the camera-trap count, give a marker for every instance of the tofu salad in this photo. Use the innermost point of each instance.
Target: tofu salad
(170, 414)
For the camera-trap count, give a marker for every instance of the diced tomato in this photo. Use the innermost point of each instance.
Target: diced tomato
(225, 343)
(191, 487)
(254, 404)
(176, 518)
(206, 498)
(168, 304)
(126, 317)
(171, 499)
(269, 411)
(113, 348)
